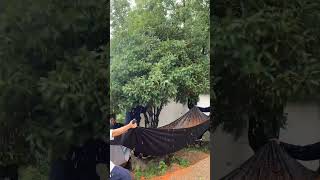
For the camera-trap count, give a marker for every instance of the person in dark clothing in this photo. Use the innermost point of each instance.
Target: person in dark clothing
(135, 114)
(129, 117)
(114, 124)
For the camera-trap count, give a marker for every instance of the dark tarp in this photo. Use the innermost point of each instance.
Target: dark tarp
(271, 162)
(81, 162)
(167, 139)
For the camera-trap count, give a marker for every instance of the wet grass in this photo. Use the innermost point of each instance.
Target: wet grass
(154, 169)
(204, 147)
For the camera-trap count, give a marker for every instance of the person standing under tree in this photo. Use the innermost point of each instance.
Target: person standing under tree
(118, 172)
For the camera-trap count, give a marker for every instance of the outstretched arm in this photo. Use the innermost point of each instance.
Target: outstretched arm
(121, 130)
(306, 153)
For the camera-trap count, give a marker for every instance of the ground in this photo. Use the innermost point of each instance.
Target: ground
(199, 170)
(198, 167)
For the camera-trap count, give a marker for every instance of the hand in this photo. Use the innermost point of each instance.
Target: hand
(275, 140)
(133, 124)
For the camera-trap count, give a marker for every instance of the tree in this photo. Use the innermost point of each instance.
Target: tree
(264, 54)
(53, 78)
(159, 53)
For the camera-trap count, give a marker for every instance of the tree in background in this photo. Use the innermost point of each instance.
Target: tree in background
(53, 78)
(159, 52)
(264, 53)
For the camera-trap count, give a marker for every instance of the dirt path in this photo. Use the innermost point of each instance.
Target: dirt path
(197, 171)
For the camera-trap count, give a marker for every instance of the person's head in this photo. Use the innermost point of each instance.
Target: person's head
(113, 119)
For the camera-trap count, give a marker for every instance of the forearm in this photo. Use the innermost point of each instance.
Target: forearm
(206, 109)
(121, 130)
(306, 153)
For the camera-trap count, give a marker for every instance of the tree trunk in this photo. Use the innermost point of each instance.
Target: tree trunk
(256, 135)
(264, 125)
(146, 119)
(154, 113)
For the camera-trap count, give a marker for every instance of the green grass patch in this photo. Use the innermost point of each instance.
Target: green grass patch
(158, 169)
(153, 169)
(181, 161)
(196, 148)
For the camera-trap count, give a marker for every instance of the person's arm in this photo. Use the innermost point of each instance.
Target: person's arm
(121, 130)
(204, 109)
(306, 153)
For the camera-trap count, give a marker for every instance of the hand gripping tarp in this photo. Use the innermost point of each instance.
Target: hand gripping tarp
(167, 139)
(271, 162)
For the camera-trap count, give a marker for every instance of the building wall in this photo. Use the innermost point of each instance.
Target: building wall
(173, 110)
(302, 128)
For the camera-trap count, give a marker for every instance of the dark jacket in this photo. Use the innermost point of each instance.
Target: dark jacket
(135, 114)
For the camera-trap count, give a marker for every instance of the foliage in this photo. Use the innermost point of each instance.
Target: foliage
(158, 168)
(196, 148)
(181, 161)
(263, 53)
(39, 172)
(160, 53)
(153, 169)
(162, 167)
(121, 118)
(138, 174)
(53, 76)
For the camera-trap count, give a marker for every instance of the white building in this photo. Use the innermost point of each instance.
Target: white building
(302, 128)
(173, 111)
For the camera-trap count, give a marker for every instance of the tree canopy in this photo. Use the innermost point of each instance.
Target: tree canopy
(159, 52)
(264, 53)
(53, 77)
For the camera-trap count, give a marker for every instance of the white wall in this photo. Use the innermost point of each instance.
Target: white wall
(204, 101)
(228, 154)
(173, 110)
(302, 128)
